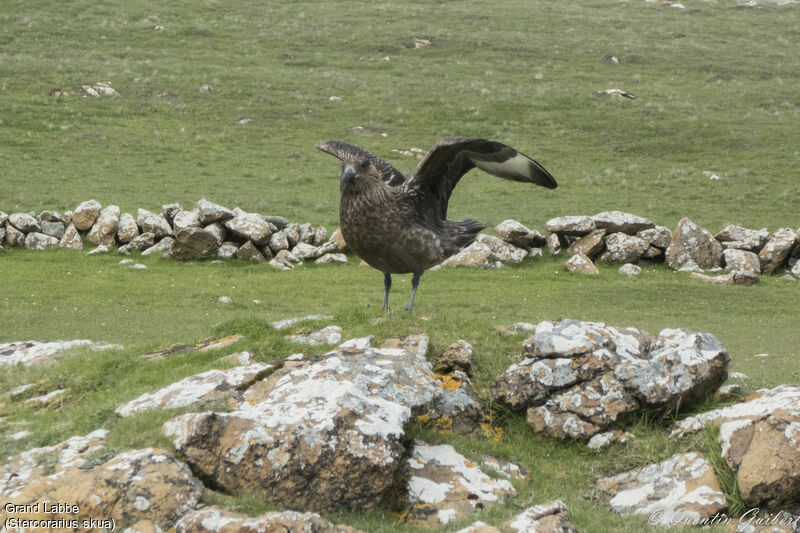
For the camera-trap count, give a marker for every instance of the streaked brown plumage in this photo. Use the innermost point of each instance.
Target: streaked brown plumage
(399, 225)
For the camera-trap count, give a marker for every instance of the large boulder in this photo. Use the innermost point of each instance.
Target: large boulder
(760, 440)
(773, 255)
(127, 229)
(581, 264)
(657, 237)
(71, 240)
(589, 245)
(40, 241)
(475, 255)
(29, 353)
(737, 260)
(317, 435)
(131, 486)
(693, 246)
(194, 243)
(580, 377)
(681, 489)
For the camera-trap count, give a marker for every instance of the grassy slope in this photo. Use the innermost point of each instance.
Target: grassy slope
(716, 90)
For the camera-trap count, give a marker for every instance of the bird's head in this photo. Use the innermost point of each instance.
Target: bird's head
(357, 173)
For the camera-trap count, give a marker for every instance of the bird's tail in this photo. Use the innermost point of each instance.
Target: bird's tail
(464, 231)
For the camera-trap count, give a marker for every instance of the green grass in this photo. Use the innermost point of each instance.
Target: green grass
(716, 90)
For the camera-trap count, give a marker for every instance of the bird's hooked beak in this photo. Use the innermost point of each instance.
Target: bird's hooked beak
(348, 174)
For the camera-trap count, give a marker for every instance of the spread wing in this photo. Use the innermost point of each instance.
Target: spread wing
(438, 173)
(346, 151)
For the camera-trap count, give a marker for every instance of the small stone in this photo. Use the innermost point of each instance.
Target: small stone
(457, 356)
(225, 299)
(630, 270)
(658, 237)
(101, 249)
(205, 88)
(250, 226)
(590, 245)
(154, 223)
(501, 250)
(581, 264)
(53, 229)
(739, 238)
(327, 335)
(741, 260)
(185, 219)
(732, 278)
(776, 251)
(14, 237)
(104, 230)
(228, 250)
(163, 248)
(517, 234)
(138, 244)
(332, 258)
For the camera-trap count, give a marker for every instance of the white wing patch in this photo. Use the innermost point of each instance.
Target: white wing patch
(517, 166)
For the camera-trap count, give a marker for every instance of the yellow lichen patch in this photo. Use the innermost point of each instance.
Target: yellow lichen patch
(443, 424)
(447, 382)
(424, 419)
(752, 396)
(469, 464)
(490, 432)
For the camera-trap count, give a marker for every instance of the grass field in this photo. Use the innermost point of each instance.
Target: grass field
(716, 89)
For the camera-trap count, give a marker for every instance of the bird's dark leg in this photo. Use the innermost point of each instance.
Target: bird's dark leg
(414, 285)
(387, 283)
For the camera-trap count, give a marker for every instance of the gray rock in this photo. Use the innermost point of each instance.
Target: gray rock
(555, 243)
(71, 240)
(589, 245)
(127, 229)
(741, 260)
(278, 241)
(162, 248)
(170, 210)
(210, 212)
(736, 277)
(619, 222)
(140, 243)
(331, 258)
(501, 250)
(683, 487)
(250, 226)
(292, 232)
(693, 245)
(54, 229)
(85, 214)
(249, 252)
(185, 219)
(658, 237)
(3, 218)
(100, 249)
(317, 435)
(14, 237)
(739, 238)
(582, 264)
(476, 255)
(24, 223)
(218, 231)
(228, 250)
(550, 517)
(278, 222)
(49, 216)
(517, 234)
(39, 241)
(630, 270)
(444, 486)
(320, 236)
(457, 356)
(571, 225)
(154, 223)
(306, 233)
(623, 248)
(776, 251)
(304, 250)
(104, 229)
(194, 243)
(580, 377)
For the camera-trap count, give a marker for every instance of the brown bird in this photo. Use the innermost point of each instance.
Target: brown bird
(399, 225)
